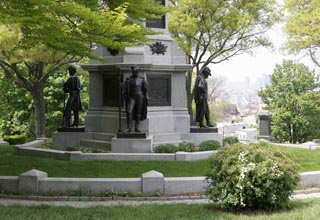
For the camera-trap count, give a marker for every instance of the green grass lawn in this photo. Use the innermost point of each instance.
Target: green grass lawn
(309, 160)
(13, 165)
(307, 209)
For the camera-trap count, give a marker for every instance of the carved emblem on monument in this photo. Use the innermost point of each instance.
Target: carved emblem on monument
(113, 52)
(158, 48)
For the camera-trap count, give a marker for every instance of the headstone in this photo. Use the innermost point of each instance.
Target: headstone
(265, 125)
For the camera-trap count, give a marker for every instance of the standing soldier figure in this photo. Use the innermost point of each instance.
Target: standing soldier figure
(201, 97)
(136, 98)
(73, 87)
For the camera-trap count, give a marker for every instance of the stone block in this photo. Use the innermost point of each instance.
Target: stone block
(152, 182)
(28, 181)
(128, 145)
(189, 156)
(9, 184)
(310, 179)
(198, 138)
(182, 185)
(3, 143)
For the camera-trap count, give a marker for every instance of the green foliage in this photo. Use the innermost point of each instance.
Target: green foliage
(16, 112)
(210, 32)
(294, 102)
(171, 148)
(15, 139)
(230, 140)
(255, 176)
(209, 145)
(302, 26)
(15, 109)
(39, 37)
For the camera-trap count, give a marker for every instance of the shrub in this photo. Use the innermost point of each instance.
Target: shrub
(255, 176)
(186, 147)
(171, 148)
(209, 145)
(230, 140)
(165, 148)
(15, 139)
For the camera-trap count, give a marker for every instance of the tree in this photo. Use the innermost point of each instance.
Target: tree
(211, 32)
(294, 101)
(16, 115)
(38, 37)
(15, 108)
(216, 87)
(302, 26)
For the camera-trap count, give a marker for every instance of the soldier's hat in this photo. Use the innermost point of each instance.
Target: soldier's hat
(206, 71)
(72, 69)
(134, 67)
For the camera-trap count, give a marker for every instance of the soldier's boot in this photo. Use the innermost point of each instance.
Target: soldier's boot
(68, 120)
(76, 119)
(129, 123)
(201, 125)
(137, 124)
(209, 124)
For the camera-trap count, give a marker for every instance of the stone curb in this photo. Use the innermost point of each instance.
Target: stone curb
(99, 198)
(295, 194)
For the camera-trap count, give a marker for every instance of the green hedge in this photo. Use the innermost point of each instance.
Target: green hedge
(171, 148)
(209, 145)
(230, 140)
(15, 139)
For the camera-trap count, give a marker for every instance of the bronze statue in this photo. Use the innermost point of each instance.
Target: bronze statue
(73, 87)
(136, 98)
(201, 98)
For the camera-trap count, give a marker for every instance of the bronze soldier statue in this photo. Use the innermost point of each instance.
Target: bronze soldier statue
(73, 87)
(136, 98)
(201, 98)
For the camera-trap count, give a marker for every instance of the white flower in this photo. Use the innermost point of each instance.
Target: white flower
(243, 154)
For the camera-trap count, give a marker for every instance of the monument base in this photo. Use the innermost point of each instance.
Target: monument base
(198, 135)
(71, 129)
(204, 130)
(132, 135)
(131, 145)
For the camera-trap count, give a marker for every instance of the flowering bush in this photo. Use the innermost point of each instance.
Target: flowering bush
(255, 176)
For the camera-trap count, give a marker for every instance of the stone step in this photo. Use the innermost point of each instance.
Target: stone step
(166, 137)
(102, 136)
(176, 142)
(96, 144)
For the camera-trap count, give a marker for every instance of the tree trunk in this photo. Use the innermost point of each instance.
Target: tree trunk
(189, 96)
(39, 108)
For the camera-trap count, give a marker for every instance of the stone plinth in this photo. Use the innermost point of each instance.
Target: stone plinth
(152, 182)
(28, 181)
(265, 125)
(131, 145)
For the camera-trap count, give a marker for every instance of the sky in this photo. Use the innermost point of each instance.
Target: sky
(262, 61)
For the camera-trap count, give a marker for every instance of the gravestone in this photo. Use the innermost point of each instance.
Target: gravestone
(265, 125)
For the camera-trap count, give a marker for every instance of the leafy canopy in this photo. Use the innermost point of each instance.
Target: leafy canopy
(213, 31)
(303, 27)
(73, 26)
(294, 102)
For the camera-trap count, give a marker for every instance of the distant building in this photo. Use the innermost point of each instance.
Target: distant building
(247, 135)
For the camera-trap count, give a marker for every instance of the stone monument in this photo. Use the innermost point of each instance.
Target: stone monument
(265, 125)
(164, 66)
